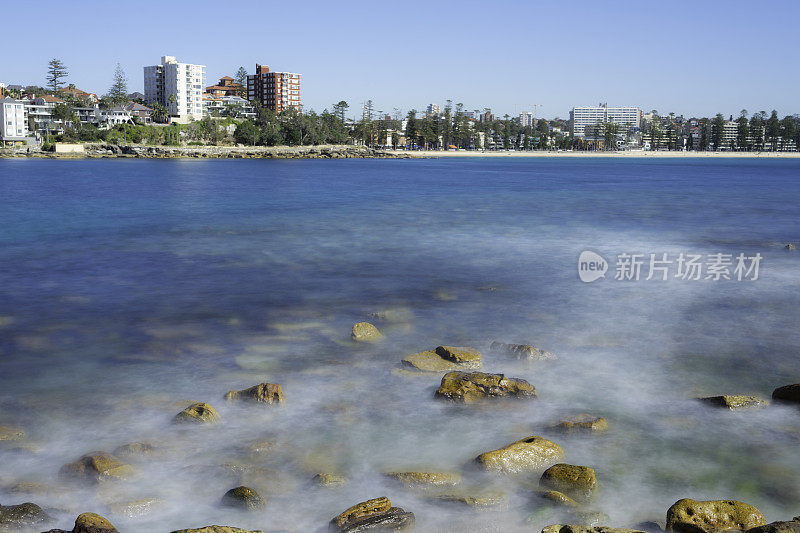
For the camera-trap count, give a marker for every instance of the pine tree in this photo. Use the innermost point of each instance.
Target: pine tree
(118, 93)
(56, 71)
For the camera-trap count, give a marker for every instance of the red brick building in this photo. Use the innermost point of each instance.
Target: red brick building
(274, 90)
(226, 87)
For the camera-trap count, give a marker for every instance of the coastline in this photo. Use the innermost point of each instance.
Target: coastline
(626, 154)
(100, 150)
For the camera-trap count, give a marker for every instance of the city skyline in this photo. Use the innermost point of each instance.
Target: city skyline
(505, 58)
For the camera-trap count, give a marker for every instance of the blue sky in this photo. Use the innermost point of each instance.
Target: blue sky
(692, 57)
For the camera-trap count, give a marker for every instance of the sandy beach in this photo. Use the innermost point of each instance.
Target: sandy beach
(626, 154)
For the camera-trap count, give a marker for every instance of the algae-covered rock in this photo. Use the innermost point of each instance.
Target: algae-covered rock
(11, 434)
(691, 516)
(469, 387)
(243, 498)
(529, 454)
(95, 467)
(425, 479)
(267, 393)
(787, 393)
(396, 315)
(582, 424)
(431, 361)
(198, 413)
(734, 401)
(93, 523)
(522, 351)
(589, 518)
(365, 332)
(577, 482)
(787, 526)
(377, 514)
(24, 515)
(330, 479)
(218, 529)
(483, 501)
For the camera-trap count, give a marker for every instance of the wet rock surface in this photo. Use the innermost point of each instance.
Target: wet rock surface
(266, 393)
(11, 434)
(577, 482)
(529, 454)
(521, 351)
(372, 515)
(444, 359)
(468, 387)
(691, 516)
(218, 529)
(243, 498)
(787, 393)
(734, 401)
(96, 467)
(93, 523)
(786, 526)
(198, 413)
(425, 479)
(365, 332)
(581, 424)
(22, 516)
(559, 528)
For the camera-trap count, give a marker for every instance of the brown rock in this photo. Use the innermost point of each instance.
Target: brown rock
(461, 355)
(529, 454)
(268, 393)
(243, 498)
(469, 387)
(218, 529)
(95, 467)
(577, 482)
(375, 514)
(425, 479)
(582, 423)
(198, 413)
(9, 434)
(787, 393)
(93, 523)
(365, 332)
(522, 351)
(734, 401)
(690, 516)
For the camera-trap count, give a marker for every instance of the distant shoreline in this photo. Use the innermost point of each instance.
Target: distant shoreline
(625, 154)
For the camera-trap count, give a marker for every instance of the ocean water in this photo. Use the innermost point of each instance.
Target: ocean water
(129, 288)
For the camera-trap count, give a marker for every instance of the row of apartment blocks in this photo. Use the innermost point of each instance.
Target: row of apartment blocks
(180, 88)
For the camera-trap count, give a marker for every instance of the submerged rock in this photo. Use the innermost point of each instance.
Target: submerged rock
(483, 501)
(529, 454)
(522, 351)
(558, 498)
(198, 413)
(95, 467)
(135, 450)
(136, 508)
(218, 529)
(787, 393)
(365, 332)
(582, 423)
(468, 387)
(425, 479)
(559, 528)
(267, 393)
(11, 434)
(243, 498)
(789, 526)
(734, 401)
(444, 359)
(393, 315)
(21, 516)
(577, 482)
(377, 514)
(328, 479)
(691, 516)
(93, 523)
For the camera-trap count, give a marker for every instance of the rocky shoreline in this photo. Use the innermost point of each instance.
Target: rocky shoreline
(99, 150)
(564, 494)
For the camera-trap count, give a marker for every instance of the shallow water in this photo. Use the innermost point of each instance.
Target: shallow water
(129, 288)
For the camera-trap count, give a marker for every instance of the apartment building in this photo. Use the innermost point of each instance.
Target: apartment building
(580, 117)
(176, 86)
(14, 120)
(274, 90)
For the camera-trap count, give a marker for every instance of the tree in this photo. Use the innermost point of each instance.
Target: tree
(241, 78)
(159, 113)
(56, 72)
(773, 130)
(717, 129)
(340, 109)
(118, 93)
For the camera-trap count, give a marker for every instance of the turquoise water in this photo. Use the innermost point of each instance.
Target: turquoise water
(129, 287)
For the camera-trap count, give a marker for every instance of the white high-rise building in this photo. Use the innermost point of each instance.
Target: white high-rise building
(13, 120)
(580, 117)
(176, 86)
